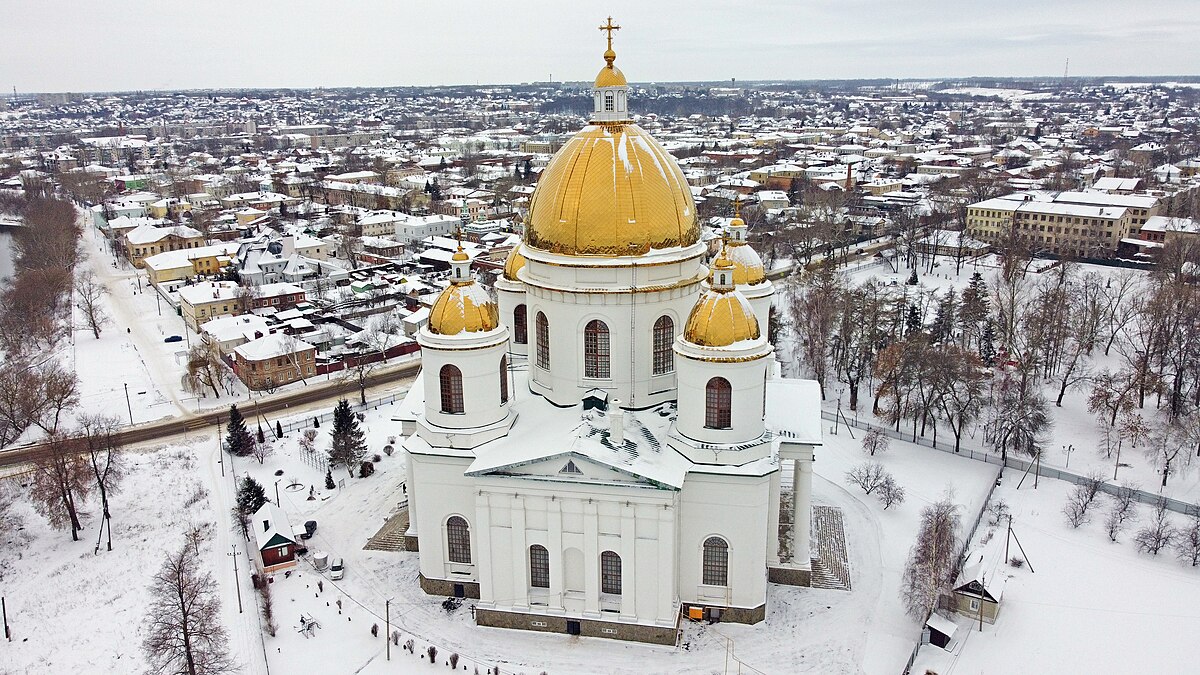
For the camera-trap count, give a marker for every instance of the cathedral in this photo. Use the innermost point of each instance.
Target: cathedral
(601, 446)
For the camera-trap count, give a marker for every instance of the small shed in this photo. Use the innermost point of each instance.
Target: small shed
(273, 538)
(941, 630)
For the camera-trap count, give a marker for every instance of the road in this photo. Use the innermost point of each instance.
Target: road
(292, 402)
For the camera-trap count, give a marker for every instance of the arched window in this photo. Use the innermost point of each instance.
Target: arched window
(520, 327)
(595, 349)
(543, 341)
(664, 334)
(452, 390)
(458, 536)
(608, 101)
(504, 378)
(539, 566)
(718, 399)
(716, 562)
(610, 573)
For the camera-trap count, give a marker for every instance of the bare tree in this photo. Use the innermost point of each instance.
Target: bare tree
(61, 483)
(932, 559)
(103, 453)
(204, 368)
(868, 475)
(89, 300)
(1187, 542)
(875, 441)
(184, 634)
(1079, 500)
(890, 492)
(1158, 534)
(261, 451)
(1163, 447)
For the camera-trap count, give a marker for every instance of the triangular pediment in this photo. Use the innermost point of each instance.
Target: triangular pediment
(570, 467)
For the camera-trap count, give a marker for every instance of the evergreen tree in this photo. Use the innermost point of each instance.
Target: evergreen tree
(942, 328)
(237, 438)
(262, 438)
(348, 447)
(912, 321)
(912, 277)
(329, 484)
(251, 496)
(973, 309)
(987, 345)
(278, 429)
(528, 169)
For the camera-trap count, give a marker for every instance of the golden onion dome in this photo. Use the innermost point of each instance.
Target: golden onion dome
(513, 263)
(748, 269)
(612, 190)
(464, 307)
(610, 75)
(720, 319)
(460, 255)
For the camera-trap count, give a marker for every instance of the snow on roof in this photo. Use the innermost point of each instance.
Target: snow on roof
(1168, 224)
(269, 522)
(225, 328)
(208, 291)
(784, 398)
(941, 624)
(271, 346)
(148, 234)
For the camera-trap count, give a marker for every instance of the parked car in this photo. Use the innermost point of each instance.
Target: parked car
(173, 338)
(337, 569)
(310, 528)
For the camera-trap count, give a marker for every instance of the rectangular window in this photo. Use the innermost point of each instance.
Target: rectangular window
(539, 567)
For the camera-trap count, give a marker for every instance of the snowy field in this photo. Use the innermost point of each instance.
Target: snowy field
(97, 622)
(1088, 605)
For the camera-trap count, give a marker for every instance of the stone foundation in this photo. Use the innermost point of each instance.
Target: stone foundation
(612, 630)
(748, 615)
(445, 587)
(411, 543)
(789, 576)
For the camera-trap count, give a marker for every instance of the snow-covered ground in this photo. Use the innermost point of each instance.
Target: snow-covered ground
(1087, 605)
(96, 621)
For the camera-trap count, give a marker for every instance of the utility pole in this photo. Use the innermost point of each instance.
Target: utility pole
(277, 493)
(128, 404)
(4, 611)
(387, 635)
(220, 452)
(237, 582)
(982, 589)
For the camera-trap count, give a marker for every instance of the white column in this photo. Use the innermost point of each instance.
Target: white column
(773, 521)
(668, 567)
(802, 513)
(591, 560)
(521, 555)
(481, 541)
(629, 564)
(410, 482)
(557, 563)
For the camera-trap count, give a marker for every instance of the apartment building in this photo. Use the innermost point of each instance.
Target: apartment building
(1085, 224)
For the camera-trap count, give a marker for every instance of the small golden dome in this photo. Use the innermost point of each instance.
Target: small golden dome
(463, 307)
(720, 319)
(513, 263)
(612, 190)
(460, 256)
(610, 76)
(748, 269)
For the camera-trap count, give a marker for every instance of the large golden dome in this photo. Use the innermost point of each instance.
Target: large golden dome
(464, 307)
(612, 190)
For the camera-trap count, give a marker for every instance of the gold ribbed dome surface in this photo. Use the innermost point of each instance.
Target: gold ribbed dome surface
(463, 308)
(720, 319)
(610, 76)
(748, 269)
(612, 190)
(513, 263)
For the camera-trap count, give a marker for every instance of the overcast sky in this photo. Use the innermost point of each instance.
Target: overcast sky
(56, 45)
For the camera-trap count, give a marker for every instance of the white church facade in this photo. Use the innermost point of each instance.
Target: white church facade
(601, 447)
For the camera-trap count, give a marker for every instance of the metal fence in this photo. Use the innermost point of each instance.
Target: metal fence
(325, 418)
(1021, 464)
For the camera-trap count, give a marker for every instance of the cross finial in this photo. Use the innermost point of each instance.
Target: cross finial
(610, 28)
(737, 207)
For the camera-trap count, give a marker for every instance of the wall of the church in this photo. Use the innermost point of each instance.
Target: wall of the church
(576, 523)
(747, 380)
(733, 508)
(630, 319)
(442, 492)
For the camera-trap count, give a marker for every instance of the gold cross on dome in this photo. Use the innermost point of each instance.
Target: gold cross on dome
(610, 28)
